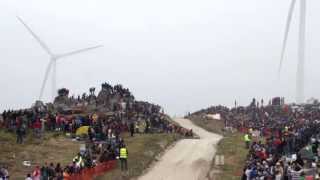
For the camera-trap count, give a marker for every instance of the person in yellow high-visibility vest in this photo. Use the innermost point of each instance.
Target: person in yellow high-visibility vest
(247, 140)
(124, 158)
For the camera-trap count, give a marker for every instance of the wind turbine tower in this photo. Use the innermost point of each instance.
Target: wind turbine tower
(300, 76)
(301, 53)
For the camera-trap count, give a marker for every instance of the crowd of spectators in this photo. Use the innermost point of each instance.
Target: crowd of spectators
(104, 127)
(283, 139)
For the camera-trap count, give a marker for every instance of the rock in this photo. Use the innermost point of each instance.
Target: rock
(62, 101)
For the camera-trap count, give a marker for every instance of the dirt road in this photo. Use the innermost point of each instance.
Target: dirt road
(189, 159)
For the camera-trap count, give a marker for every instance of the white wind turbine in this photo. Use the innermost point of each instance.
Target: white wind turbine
(301, 48)
(53, 60)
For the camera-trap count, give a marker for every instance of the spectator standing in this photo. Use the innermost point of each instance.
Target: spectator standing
(51, 171)
(43, 122)
(59, 172)
(36, 173)
(247, 140)
(19, 135)
(131, 129)
(44, 171)
(136, 127)
(147, 127)
(37, 128)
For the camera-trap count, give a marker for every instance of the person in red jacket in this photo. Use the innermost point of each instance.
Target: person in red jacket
(36, 174)
(58, 122)
(262, 154)
(37, 128)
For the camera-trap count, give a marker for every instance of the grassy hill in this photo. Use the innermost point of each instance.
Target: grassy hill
(53, 148)
(56, 148)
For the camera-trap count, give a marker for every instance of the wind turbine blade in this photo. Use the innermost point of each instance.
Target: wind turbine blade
(45, 78)
(77, 51)
(43, 45)
(289, 18)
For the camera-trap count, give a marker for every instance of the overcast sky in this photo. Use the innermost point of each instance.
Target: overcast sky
(181, 54)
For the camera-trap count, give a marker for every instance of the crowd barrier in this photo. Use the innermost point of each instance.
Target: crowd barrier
(90, 173)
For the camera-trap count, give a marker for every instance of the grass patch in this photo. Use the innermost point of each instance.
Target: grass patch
(143, 150)
(211, 125)
(233, 149)
(56, 148)
(53, 148)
